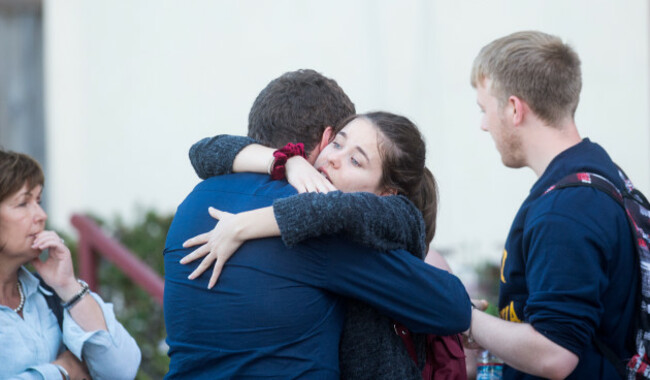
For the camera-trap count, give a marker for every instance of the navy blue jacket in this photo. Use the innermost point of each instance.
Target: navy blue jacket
(569, 265)
(276, 311)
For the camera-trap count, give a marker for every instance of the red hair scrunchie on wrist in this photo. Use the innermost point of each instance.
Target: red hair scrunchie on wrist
(278, 169)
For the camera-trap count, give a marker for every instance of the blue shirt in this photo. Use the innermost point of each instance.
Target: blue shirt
(276, 311)
(31, 343)
(569, 266)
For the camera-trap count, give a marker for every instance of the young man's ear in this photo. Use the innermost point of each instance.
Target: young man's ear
(519, 108)
(328, 134)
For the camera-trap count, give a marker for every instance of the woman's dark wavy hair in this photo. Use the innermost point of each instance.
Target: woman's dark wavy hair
(16, 170)
(403, 152)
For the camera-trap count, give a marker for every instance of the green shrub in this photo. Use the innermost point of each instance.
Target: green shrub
(488, 285)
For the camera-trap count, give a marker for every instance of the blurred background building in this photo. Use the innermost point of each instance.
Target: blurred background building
(110, 95)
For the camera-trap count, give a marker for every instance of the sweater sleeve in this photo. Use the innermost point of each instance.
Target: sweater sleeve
(380, 222)
(213, 156)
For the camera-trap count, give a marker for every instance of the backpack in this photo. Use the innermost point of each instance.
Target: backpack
(445, 357)
(638, 214)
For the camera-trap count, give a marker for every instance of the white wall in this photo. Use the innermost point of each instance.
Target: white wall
(132, 84)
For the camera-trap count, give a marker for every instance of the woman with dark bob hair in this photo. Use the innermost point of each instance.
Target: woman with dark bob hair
(51, 325)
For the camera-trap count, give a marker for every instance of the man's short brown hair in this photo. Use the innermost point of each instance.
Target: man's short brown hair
(297, 107)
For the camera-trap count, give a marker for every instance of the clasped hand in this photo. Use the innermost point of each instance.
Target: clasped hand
(305, 178)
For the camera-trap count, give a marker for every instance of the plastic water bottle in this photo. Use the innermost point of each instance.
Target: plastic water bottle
(488, 366)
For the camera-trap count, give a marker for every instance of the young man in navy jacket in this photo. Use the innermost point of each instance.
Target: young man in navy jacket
(568, 273)
(277, 312)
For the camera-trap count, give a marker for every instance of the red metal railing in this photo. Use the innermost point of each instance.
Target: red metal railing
(93, 240)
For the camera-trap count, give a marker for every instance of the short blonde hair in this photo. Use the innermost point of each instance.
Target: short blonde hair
(536, 67)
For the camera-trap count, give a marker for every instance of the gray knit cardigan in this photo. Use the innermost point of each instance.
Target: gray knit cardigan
(369, 347)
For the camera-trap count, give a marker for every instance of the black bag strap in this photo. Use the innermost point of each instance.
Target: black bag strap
(619, 364)
(52, 299)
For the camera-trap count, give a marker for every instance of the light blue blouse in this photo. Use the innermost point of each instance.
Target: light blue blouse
(28, 345)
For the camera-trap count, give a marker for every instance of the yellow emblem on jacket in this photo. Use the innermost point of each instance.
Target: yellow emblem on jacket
(503, 264)
(509, 314)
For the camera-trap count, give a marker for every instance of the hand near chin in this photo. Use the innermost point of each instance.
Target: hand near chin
(217, 246)
(305, 178)
(57, 270)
